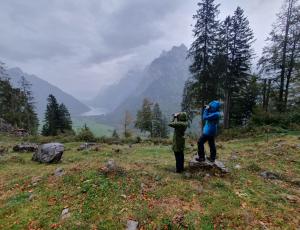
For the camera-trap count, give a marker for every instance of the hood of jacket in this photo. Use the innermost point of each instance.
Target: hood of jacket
(214, 106)
(182, 116)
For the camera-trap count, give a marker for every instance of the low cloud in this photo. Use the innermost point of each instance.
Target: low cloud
(81, 46)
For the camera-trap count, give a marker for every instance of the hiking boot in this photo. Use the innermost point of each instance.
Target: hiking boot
(211, 160)
(200, 159)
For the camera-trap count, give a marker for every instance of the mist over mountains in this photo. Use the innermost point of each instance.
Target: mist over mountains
(41, 90)
(162, 81)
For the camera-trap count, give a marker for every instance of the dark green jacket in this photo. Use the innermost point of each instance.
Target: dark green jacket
(180, 125)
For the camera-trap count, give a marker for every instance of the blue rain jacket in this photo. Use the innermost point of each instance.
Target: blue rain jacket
(211, 118)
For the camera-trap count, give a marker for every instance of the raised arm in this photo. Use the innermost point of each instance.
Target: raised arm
(177, 124)
(210, 116)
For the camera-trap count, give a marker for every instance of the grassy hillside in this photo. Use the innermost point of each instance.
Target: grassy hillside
(146, 189)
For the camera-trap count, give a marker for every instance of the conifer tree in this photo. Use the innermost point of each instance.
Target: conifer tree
(65, 121)
(202, 51)
(57, 118)
(115, 134)
(156, 121)
(239, 66)
(165, 131)
(52, 117)
(144, 117)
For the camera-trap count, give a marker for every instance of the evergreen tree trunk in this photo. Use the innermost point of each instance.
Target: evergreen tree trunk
(289, 74)
(264, 94)
(227, 109)
(268, 95)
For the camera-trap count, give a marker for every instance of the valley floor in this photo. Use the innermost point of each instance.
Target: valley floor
(146, 189)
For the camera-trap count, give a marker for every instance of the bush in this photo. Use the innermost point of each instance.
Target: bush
(287, 120)
(85, 134)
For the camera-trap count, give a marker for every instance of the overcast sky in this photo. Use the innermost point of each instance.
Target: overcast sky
(83, 45)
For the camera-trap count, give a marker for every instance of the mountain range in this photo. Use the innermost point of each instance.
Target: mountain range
(41, 90)
(162, 81)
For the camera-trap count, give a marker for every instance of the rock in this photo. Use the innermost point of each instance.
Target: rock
(238, 166)
(35, 180)
(200, 189)
(21, 132)
(234, 156)
(269, 175)
(132, 225)
(65, 214)
(157, 178)
(31, 197)
(86, 146)
(49, 153)
(292, 198)
(59, 172)
(111, 165)
(207, 165)
(25, 147)
(188, 175)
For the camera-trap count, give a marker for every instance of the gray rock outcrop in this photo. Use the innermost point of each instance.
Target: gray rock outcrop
(49, 153)
(207, 165)
(26, 147)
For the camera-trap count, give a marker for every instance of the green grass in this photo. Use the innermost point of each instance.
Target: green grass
(98, 129)
(147, 190)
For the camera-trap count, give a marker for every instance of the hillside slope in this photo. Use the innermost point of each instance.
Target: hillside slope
(162, 81)
(41, 90)
(144, 188)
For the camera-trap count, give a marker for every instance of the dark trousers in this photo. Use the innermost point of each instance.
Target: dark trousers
(212, 146)
(179, 156)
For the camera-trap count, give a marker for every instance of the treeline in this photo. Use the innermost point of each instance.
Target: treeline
(149, 119)
(221, 67)
(16, 104)
(17, 108)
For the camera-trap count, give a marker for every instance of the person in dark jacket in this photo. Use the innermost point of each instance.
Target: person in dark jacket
(179, 123)
(211, 116)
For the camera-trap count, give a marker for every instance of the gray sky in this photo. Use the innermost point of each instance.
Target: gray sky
(83, 45)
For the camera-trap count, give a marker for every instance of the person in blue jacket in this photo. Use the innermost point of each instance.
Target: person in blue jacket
(211, 117)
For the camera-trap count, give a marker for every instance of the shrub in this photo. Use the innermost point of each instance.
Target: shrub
(285, 120)
(85, 134)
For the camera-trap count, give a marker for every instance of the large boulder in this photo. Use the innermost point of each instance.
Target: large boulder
(25, 147)
(207, 165)
(49, 153)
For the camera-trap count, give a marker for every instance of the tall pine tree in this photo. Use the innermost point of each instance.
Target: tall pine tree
(157, 119)
(57, 118)
(201, 86)
(52, 117)
(144, 117)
